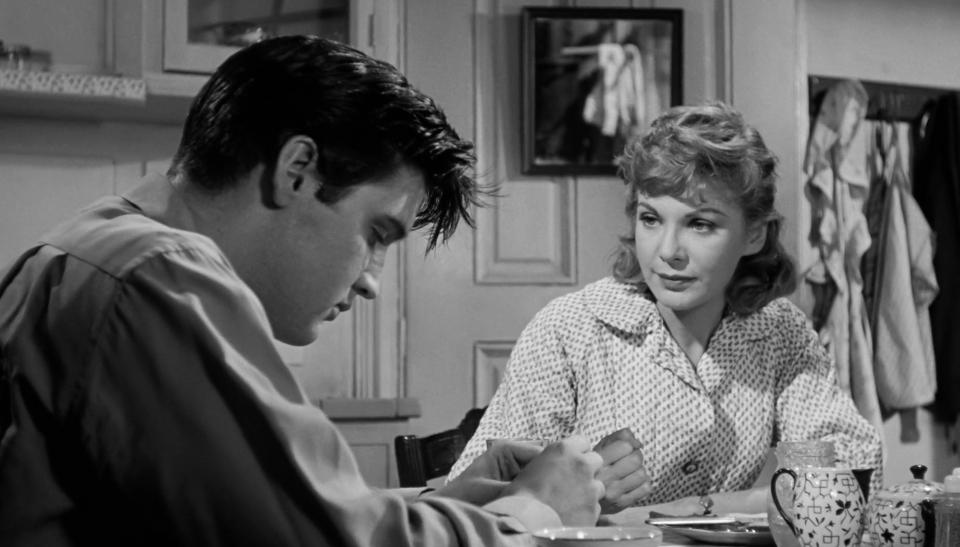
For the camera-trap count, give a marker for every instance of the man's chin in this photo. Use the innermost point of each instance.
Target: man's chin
(301, 336)
(300, 340)
(305, 336)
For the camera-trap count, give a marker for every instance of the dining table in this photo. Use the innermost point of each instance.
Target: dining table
(705, 537)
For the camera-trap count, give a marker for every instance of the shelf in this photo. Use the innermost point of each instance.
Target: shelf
(95, 97)
(83, 85)
(403, 408)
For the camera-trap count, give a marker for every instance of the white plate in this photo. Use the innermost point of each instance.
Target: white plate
(599, 536)
(734, 536)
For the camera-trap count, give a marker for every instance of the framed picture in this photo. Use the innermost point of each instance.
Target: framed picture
(592, 79)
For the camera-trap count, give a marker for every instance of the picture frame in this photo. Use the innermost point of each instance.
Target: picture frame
(593, 78)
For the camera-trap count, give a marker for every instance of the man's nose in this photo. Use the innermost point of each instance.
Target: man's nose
(368, 284)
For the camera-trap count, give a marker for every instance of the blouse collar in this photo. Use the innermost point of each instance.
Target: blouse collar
(626, 307)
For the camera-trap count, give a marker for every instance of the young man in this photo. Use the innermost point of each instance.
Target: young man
(142, 401)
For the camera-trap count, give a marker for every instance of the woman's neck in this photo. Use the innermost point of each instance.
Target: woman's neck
(692, 329)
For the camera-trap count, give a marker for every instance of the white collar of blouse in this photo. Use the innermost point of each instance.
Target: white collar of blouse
(625, 307)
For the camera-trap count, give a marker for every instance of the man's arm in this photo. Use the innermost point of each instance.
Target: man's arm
(517, 469)
(192, 421)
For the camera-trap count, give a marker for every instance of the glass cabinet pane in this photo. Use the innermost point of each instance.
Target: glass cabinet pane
(241, 22)
(198, 35)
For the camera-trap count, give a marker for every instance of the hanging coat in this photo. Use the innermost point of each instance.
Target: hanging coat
(937, 190)
(903, 349)
(837, 187)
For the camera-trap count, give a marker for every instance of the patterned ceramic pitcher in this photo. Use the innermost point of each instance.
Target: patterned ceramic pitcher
(827, 506)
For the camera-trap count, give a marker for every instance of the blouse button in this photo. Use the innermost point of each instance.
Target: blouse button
(691, 467)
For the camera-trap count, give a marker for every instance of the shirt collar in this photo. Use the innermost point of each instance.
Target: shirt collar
(626, 307)
(156, 197)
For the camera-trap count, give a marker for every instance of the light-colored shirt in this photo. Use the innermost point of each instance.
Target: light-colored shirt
(600, 359)
(143, 402)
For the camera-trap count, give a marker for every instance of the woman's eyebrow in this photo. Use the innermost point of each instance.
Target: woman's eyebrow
(645, 205)
(713, 210)
(696, 211)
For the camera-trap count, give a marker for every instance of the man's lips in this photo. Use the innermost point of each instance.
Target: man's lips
(339, 308)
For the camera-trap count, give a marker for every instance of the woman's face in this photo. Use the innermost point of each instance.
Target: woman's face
(688, 249)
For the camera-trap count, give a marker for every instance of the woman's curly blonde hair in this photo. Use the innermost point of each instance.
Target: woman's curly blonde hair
(690, 148)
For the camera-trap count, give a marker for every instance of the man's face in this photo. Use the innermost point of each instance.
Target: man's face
(323, 255)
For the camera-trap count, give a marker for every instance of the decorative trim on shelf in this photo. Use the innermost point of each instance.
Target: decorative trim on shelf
(94, 86)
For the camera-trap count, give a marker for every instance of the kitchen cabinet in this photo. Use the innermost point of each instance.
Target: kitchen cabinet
(144, 60)
(174, 44)
(201, 34)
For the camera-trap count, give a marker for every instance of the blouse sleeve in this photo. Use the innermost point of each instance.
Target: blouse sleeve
(811, 404)
(536, 397)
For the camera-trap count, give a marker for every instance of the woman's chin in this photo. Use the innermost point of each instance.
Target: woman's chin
(678, 302)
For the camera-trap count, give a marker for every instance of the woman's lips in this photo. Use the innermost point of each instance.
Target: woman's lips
(675, 282)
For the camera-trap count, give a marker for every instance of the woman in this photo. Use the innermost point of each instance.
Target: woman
(690, 343)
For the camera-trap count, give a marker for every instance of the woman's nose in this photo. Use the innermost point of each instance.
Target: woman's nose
(671, 251)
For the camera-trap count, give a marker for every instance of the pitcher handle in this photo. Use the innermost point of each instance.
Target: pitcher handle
(773, 493)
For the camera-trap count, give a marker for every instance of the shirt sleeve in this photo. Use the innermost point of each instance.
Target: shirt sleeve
(811, 405)
(536, 397)
(198, 434)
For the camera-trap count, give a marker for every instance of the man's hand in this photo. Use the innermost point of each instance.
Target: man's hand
(484, 479)
(624, 478)
(503, 459)
(563, 476)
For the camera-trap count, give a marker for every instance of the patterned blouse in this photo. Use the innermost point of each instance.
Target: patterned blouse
(601, 358)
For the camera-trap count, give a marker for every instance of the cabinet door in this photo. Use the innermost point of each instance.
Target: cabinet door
(198, 35)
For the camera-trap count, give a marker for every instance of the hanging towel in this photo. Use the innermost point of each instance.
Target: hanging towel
(875, 211)
(619, 103)
(903, 349)
(602, 107)
(630, 87)
(655, 69)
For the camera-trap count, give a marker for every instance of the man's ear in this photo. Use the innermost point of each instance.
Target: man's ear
(756, 237)
(295, 172)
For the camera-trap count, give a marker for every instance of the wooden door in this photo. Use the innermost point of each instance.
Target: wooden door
(547, 235)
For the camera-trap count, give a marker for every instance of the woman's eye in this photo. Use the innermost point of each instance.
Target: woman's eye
(648, 220)
(702, 225)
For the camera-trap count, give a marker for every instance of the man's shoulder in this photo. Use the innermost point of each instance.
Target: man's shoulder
(115, 237)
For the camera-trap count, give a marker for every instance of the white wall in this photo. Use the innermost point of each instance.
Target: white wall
(915, 42)
(918, 43)
(48, 169)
